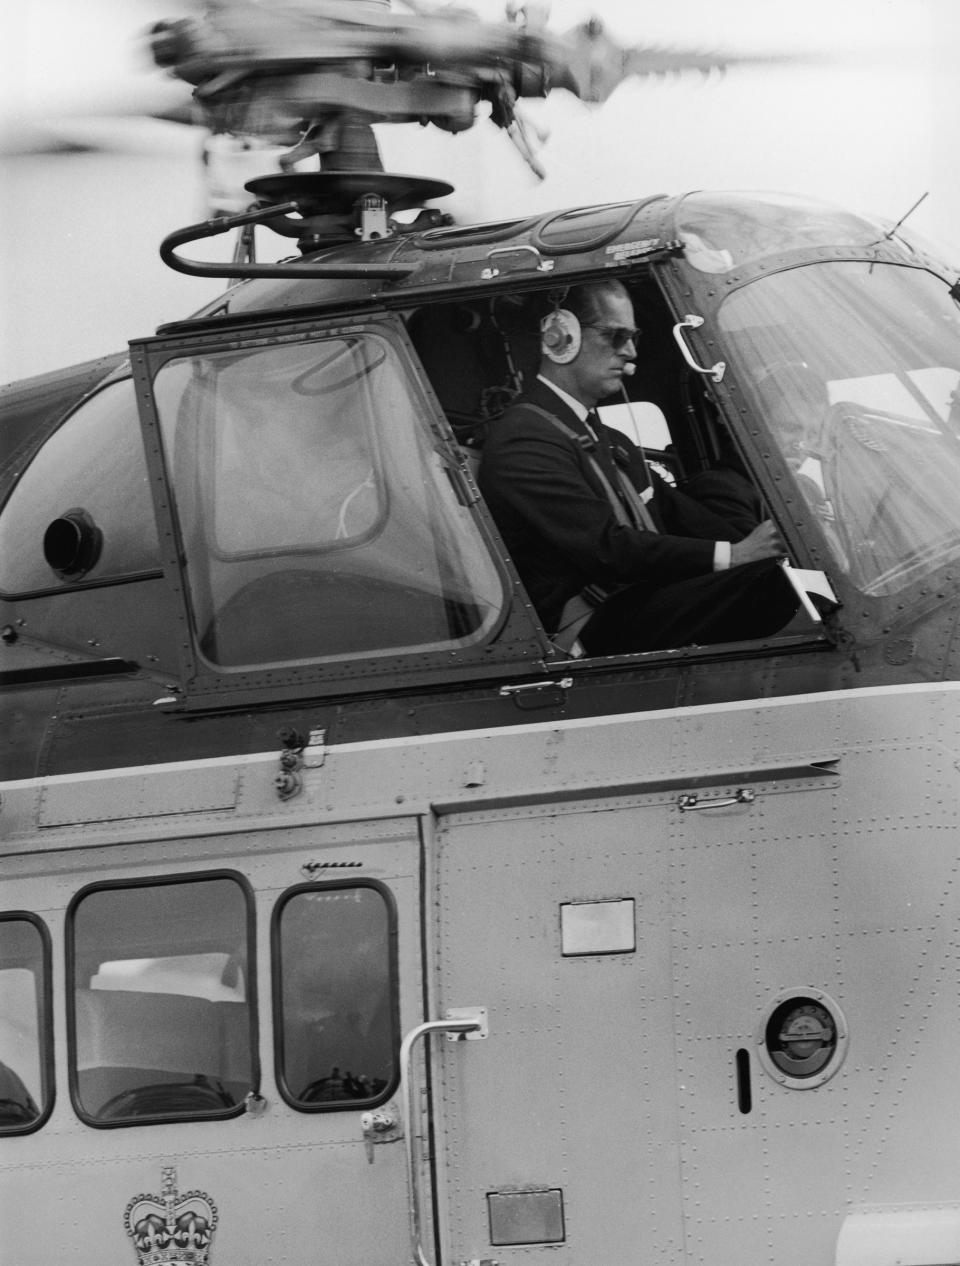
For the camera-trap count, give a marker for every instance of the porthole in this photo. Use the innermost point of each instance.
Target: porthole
(802, 1038)
(72, 544)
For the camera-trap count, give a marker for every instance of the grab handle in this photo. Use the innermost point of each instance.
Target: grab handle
(743, 795)
(693, 322)
(463, 1024)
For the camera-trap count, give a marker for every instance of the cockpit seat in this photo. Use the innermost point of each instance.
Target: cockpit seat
(447, 342)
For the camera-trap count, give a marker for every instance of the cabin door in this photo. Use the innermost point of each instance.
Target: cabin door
(557, 1134)
(238, 1001)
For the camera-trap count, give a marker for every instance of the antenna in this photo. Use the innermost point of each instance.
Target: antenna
(887, 236)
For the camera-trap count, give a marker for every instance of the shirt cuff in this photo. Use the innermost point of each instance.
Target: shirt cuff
(721, 555)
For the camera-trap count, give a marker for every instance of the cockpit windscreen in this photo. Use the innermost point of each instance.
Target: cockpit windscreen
(854, 368)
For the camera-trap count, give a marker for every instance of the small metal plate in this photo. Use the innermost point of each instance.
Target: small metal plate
(598, 927)
(526, 1217)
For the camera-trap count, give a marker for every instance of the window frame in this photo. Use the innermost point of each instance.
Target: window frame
(156, 881)
(514, 641)
(44, 1024)
(276, 983)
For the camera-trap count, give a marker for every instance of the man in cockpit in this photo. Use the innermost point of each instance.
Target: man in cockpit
(608, 551)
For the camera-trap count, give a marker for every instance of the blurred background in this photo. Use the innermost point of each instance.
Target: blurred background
(89, 187)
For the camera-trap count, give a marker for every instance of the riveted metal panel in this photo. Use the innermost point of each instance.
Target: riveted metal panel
(153, 793)
(560, 1096)
(617, 1078)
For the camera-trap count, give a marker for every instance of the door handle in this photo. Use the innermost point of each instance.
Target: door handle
(743, 795)
(462, 1024)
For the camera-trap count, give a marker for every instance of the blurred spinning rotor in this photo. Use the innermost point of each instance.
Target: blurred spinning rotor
(314, 77)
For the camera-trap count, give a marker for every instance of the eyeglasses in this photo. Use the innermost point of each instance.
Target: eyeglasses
(617, 336)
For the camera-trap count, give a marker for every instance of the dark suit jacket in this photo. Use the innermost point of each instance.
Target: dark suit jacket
(557, 523)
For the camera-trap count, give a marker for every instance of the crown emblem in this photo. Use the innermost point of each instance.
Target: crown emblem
(170, 1229)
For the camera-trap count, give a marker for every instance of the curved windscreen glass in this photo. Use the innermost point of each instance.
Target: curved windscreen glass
(721, 232)
(93, 464)
(855, 369)
(317, 509)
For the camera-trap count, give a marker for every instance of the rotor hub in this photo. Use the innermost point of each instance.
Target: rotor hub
(339, 206)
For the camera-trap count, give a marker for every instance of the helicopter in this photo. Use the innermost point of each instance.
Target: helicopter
(348, 913)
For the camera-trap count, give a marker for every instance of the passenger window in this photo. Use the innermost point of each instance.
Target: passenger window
(82, 509)
(26, 1048)
(335, 996)
(317, 509)
(160, 1016)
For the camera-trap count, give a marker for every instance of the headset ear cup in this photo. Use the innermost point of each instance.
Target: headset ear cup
(560, 336)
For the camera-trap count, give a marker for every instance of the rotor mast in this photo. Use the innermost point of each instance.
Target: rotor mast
(313, 80)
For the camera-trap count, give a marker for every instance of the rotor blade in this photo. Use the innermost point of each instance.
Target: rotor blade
(245, 37)
(73, 67)
(598, 63)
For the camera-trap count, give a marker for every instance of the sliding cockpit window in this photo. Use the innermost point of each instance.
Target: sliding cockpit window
(318, 514)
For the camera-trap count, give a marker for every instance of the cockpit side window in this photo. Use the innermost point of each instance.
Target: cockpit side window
(26, 1046)
(81, 511)
(335, 1014)
(160, 1009)
(480, 357)
(318, 510)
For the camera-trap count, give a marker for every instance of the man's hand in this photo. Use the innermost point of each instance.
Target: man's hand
(763, 542)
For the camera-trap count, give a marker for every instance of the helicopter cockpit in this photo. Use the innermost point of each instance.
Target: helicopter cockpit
(311, 462)
(322, 462)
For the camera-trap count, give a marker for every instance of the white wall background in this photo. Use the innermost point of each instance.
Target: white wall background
(872, 124)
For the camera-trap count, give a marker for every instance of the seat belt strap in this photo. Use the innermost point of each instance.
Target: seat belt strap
(640, 516)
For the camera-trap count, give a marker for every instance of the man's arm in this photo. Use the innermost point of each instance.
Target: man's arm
(764, 541)
(730, 495)
(541, 478)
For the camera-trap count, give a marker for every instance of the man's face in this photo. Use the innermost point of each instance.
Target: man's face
(598, 368)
